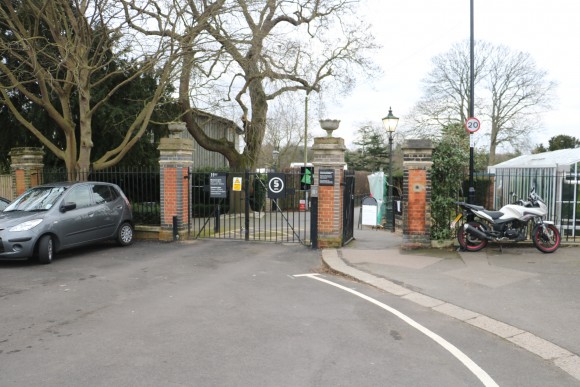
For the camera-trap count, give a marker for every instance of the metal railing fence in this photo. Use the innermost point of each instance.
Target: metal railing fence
(559, 189)
(142, 187)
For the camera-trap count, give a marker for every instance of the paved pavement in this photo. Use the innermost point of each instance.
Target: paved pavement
(516, 292)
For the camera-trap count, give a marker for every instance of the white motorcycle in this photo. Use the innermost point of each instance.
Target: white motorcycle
(510, 223)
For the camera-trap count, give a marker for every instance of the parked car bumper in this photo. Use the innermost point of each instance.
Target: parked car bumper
(16, 245)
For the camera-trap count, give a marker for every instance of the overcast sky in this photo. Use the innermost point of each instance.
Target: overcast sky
(413, 32)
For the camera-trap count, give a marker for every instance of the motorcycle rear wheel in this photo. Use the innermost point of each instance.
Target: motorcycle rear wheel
(470, 242)
(546, 242)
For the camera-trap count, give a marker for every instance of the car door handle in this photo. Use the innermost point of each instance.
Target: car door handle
(91, 214)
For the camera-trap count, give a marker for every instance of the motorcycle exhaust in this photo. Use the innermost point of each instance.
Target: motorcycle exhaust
(476, 232)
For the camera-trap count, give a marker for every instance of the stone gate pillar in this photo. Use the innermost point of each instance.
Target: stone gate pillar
(175, 157)
(26, 166)
(328, 162)
(417, 156)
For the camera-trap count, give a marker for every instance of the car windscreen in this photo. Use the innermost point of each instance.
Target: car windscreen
(36, 199)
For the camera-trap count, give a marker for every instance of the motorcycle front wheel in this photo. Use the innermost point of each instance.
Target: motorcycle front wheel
(470, 242)
(548, 241)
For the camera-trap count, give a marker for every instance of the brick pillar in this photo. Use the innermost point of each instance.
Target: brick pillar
(26, 166)
(329, 156)
(417, 156)
(175, 157)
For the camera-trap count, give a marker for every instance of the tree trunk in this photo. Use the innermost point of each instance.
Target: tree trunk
(492, 148)
(85, 124)
(70, 155)
(257, 128)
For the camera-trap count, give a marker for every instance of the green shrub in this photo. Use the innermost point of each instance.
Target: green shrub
(450, 157)
(148, 213)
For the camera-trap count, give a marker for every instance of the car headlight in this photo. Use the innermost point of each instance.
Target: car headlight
(26, 225)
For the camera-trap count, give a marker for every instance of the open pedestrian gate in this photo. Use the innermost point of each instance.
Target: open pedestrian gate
(348, 208)
(269, 207)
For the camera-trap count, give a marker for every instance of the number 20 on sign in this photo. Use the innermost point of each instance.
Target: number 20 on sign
(472, 125)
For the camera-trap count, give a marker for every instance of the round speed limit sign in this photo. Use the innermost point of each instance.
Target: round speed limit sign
(276, 186)
(472, 125)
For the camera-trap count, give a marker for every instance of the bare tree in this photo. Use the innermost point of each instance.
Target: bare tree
(510, 90)
(58, 51)
(199, 61)
(285, 129)
(446, 90)
(519, 93)
(271, 47)
(236, 56)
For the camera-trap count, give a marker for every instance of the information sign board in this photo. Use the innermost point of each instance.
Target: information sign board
(218, 186)
(369, 211)
(326, 177)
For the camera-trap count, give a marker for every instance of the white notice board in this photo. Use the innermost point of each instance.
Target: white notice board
(369, 215)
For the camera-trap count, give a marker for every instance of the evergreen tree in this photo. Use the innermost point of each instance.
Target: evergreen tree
(372, 153)
(563, 141)
(558, 142)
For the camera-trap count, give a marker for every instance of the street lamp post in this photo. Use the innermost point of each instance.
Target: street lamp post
(471, 193)
(275, 157)
(390, 123)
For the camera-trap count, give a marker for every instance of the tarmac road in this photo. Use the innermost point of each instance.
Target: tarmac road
(516, 292)
(219, 313)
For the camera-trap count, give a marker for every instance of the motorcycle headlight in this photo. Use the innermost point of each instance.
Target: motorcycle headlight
(26, 225)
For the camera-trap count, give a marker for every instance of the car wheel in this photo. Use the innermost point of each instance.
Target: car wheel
(125, 234)
(45, 249)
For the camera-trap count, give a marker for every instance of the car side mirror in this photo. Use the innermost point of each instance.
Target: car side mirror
(68, 206)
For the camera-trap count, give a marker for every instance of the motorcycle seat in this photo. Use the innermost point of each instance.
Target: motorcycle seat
(474, 207)
(494, 214)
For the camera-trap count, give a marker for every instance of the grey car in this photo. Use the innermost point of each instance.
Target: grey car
(53, 217)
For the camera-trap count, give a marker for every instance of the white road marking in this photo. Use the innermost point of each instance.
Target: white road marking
(470, 364)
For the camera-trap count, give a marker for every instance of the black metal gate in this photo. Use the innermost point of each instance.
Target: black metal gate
(269, 207)
(348, 208)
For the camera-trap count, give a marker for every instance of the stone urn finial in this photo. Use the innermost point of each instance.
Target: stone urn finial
(175, 129)
(329, 125)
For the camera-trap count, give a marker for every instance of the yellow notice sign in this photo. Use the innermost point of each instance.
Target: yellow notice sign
(237, 184)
